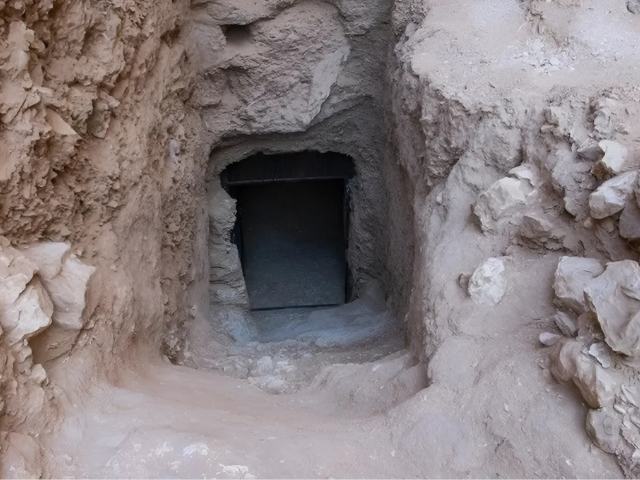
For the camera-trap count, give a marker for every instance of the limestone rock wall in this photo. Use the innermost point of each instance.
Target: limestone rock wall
(91, 109)
(522, 152)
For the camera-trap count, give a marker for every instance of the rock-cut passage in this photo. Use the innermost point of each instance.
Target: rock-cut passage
(291, 228)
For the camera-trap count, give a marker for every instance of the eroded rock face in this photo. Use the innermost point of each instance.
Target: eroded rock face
(44, 287)
(614, 296)
(572, 276)
(65, 277)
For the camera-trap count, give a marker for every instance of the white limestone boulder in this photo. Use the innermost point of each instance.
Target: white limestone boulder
(612, 196)
(16, 272)
(615, 299)
(613, 161)
(488, 284)
(48, 257)
(570, 365)
(502, 204)
(28, 315)
(572, 275)
(65, 278)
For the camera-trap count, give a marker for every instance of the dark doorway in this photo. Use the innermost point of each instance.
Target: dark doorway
(292, 228)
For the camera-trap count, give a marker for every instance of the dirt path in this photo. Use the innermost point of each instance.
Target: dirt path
(176, 422)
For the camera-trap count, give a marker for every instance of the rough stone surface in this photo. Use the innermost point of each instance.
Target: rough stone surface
(572, 276)
(488, 284)
(603, 426)
(116, 119)
(571, 365)
(613, 161)
(566, 324)
(67, 291)
(612, 196)
(615, 298)
(28, 315)
(630, 221)
(502, 203)
(549, 339)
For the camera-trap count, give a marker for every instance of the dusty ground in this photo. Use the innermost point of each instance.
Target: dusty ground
(478, 409)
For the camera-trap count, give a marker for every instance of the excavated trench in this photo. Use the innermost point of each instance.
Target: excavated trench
(295, 279)
(302, 238)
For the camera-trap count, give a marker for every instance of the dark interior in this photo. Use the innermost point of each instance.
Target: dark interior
(292, 228)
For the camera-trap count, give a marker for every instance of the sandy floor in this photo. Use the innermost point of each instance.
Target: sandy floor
(175, 422)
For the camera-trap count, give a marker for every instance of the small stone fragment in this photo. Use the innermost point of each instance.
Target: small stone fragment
(67, 291)
(525, 173)
(264, 366)
(565, 324)
(633, 6)
(549, 339)
(612, 196)
(58, 124)
(572, 276)
(487, 285)
(600, 351)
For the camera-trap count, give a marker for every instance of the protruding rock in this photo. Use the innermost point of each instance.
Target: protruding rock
(526, 173)
(537, 231)
(572, 276)
(67, 288)
(612, 196)
(613, 162)
(597, 386)
(602, 353)
(630, 221)
(16, 272)
(22, 457)
(487, 285)
(572, 178)
(502, 204)
(48, 257)
(28, 315)
(615, 298)
(603, 426)
(565, 324)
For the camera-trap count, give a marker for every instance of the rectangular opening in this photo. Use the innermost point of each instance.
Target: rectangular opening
(292, 241)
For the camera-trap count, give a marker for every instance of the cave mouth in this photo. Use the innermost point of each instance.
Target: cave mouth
(292, 228)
